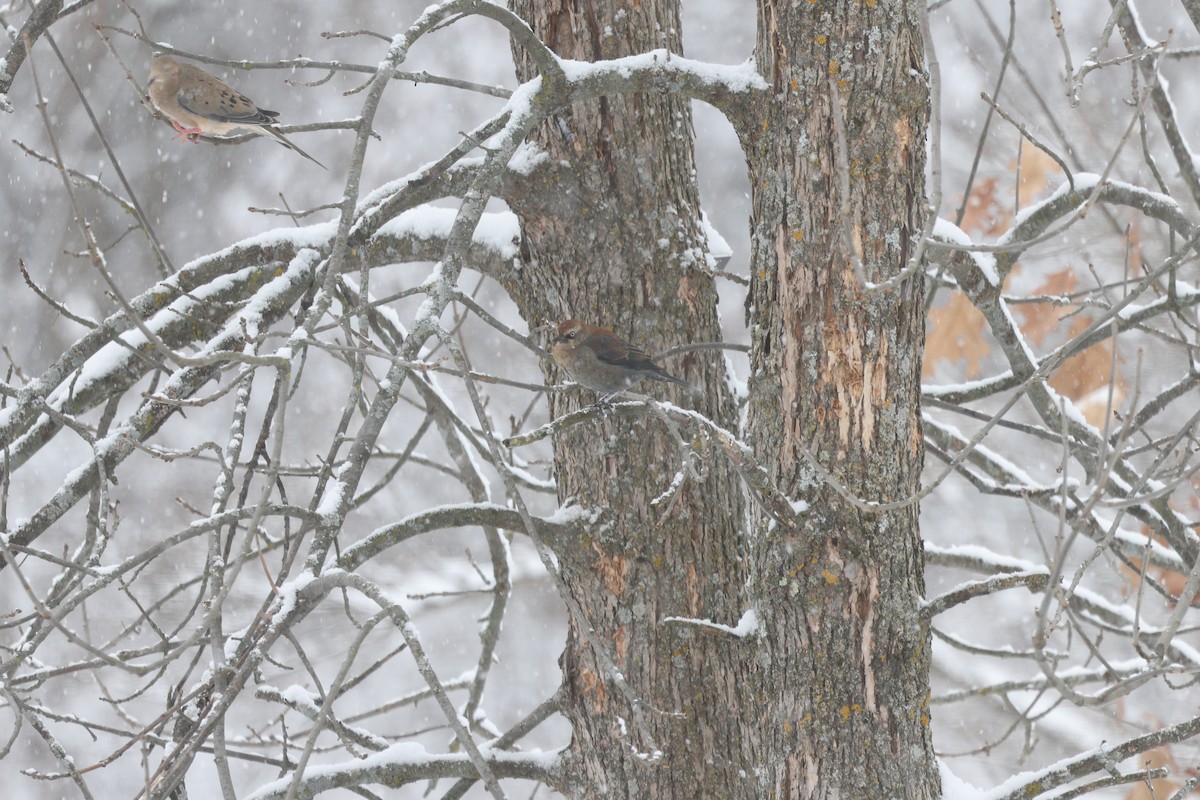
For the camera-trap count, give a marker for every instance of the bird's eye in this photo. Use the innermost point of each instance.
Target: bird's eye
(571, 335)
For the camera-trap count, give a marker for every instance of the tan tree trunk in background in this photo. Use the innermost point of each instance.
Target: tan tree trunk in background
(833, 697)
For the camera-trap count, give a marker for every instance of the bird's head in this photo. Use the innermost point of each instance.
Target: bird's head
(162, 66)
(570, 334)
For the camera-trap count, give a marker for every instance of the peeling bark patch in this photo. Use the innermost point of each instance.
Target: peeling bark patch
(903, 131)
(844, 365)
(866, 598)
(789, 352)
(593, 689)
(689, 291)
(878, 385)
(870, 376)
(778, 49)
(610, 465)
(838, 380)
(612, 570)
(799, 776)
(782, 248)
(692, 582)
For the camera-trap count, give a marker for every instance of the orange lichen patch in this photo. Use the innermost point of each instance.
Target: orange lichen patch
(846, 711)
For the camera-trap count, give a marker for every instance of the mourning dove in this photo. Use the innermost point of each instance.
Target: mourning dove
(198, 103)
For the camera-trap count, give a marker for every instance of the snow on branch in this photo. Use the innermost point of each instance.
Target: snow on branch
(1028, 785)
(733, 88)
(408, 762)
(451, 516)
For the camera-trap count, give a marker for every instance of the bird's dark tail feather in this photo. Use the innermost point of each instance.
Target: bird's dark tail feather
(279, 137)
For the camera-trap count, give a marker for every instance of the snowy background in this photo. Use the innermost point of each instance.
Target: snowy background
(197, 196)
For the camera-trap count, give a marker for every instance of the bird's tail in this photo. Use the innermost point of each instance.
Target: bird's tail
(661, 374)
(289, 144)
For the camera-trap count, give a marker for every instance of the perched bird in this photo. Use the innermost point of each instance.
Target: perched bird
(198, 103)
(602, 361)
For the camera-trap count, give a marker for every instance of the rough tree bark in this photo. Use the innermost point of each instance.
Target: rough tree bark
(612, 235)
(836, 371)
(833, 695)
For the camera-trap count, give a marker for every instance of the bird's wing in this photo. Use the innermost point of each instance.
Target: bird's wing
(207, 96)
(610, 348)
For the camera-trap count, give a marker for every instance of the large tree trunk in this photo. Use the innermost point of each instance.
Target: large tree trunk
(612, 234)
(835, 371)
(833, 695)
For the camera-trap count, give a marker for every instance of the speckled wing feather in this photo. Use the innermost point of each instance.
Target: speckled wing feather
(207, 96)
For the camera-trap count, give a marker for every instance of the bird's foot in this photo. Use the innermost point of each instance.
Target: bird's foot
(605, 405)
(181, 133)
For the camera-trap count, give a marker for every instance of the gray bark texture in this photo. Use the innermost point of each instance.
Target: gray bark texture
(835, 373)
(619, 181)
(833, 696)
